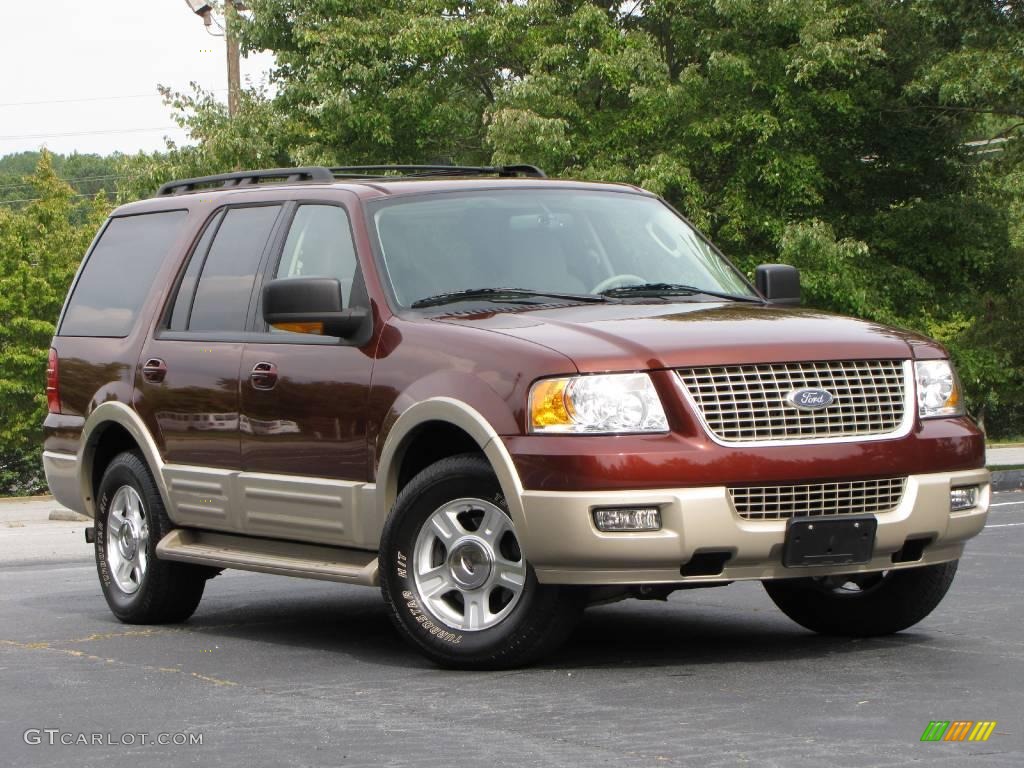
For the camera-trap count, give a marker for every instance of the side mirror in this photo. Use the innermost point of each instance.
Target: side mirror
(310, 305)
(779, 283)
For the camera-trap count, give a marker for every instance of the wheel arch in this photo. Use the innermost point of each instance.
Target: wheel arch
(444, 413)
(427, 443)
(111, 428)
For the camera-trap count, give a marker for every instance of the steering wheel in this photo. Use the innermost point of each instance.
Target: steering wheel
(617, 281)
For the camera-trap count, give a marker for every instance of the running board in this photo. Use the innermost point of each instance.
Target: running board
(285, 558)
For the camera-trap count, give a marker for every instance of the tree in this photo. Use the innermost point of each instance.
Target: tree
(87, 173)
(40, 248)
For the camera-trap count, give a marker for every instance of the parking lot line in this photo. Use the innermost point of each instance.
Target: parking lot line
(44, 646)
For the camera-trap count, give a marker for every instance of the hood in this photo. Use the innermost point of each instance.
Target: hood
(636, 336)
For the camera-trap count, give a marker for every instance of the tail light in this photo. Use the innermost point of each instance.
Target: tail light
(52, 383)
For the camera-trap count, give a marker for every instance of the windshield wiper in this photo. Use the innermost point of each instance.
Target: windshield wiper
(500, 294)
(674, 289)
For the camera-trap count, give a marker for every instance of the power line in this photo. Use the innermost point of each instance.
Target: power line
(91, 98)
(72, 180)
(37, 199)
(90, 133)
(73, 101)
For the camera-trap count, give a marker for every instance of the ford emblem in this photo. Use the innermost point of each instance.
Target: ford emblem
(810, 399)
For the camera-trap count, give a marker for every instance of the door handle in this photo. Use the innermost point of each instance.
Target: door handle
(263, 376)
(154, 370)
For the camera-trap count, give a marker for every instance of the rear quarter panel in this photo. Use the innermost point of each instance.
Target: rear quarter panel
(95, 370)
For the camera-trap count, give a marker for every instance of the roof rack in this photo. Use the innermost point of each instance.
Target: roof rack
(321, 173)
(246, 178)
(412, 171)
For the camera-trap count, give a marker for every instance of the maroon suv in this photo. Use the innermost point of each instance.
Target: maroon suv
(498, 397)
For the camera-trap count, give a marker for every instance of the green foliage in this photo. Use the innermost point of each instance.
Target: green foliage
(88, 174)
(40, 248)
(256, 138)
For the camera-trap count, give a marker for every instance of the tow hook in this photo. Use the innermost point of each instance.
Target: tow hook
(90, 534)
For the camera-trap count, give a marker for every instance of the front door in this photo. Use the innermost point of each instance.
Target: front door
(303, 399)
(189, 380)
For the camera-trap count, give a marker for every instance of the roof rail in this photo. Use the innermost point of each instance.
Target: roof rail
(407, 171)
(245, 178)
(320, 173)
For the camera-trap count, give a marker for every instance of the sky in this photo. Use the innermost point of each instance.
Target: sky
(81, 75)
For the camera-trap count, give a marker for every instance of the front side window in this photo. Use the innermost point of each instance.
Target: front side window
(119, 274)
(222, 295)
(567, 240)
(320, 244)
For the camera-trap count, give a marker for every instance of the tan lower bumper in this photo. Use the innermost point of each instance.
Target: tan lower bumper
(63, 480)
(565, 547)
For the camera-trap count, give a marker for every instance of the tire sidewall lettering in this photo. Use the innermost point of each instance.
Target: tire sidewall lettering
(401, 565)
(412, 605)
(101, 540)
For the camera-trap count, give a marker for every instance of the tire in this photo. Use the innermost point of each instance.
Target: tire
(865, 605)
(470, 601)
(146, 590)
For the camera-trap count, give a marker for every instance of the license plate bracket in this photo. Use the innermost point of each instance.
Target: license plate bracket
(814, 541)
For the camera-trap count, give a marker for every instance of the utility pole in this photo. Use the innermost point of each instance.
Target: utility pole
(204, 9)
(234, 58)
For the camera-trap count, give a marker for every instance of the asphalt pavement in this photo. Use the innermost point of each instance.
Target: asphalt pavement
(274, 671)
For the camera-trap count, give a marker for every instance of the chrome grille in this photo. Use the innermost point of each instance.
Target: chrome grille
(851, 497)
(743, 403)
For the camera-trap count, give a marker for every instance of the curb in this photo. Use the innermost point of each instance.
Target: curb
(1008, 480)
(66, 515)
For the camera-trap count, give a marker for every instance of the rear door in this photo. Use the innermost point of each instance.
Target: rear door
(188, 389)
(303, 397)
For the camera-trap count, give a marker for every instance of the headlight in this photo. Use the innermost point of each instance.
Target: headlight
(604, 404)
(938, 390)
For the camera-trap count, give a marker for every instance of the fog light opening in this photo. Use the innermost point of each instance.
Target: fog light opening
(964, 497)
(912, 550)
(710, 563)
(625, 519)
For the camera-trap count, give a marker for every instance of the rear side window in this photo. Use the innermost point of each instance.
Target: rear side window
(119, 274)
(222, 295)
(187, 288)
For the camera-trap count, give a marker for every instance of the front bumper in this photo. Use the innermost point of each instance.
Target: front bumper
(564, 546)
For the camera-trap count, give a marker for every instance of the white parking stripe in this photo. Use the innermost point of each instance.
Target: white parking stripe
(1008, 504)
(1004, 525)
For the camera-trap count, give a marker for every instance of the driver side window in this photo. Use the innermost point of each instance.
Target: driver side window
(320, 244)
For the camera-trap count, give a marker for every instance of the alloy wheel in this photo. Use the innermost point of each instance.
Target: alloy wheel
(127, 539)
(467, 565)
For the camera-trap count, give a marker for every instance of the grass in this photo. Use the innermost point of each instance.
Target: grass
(1005, 467)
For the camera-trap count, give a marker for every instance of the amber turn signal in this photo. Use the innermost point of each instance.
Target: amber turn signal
(548, 406)
(314, 328)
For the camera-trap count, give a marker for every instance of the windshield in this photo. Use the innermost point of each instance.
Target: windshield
(566, 241)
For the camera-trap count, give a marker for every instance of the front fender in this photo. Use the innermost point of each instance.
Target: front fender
(468, 419)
